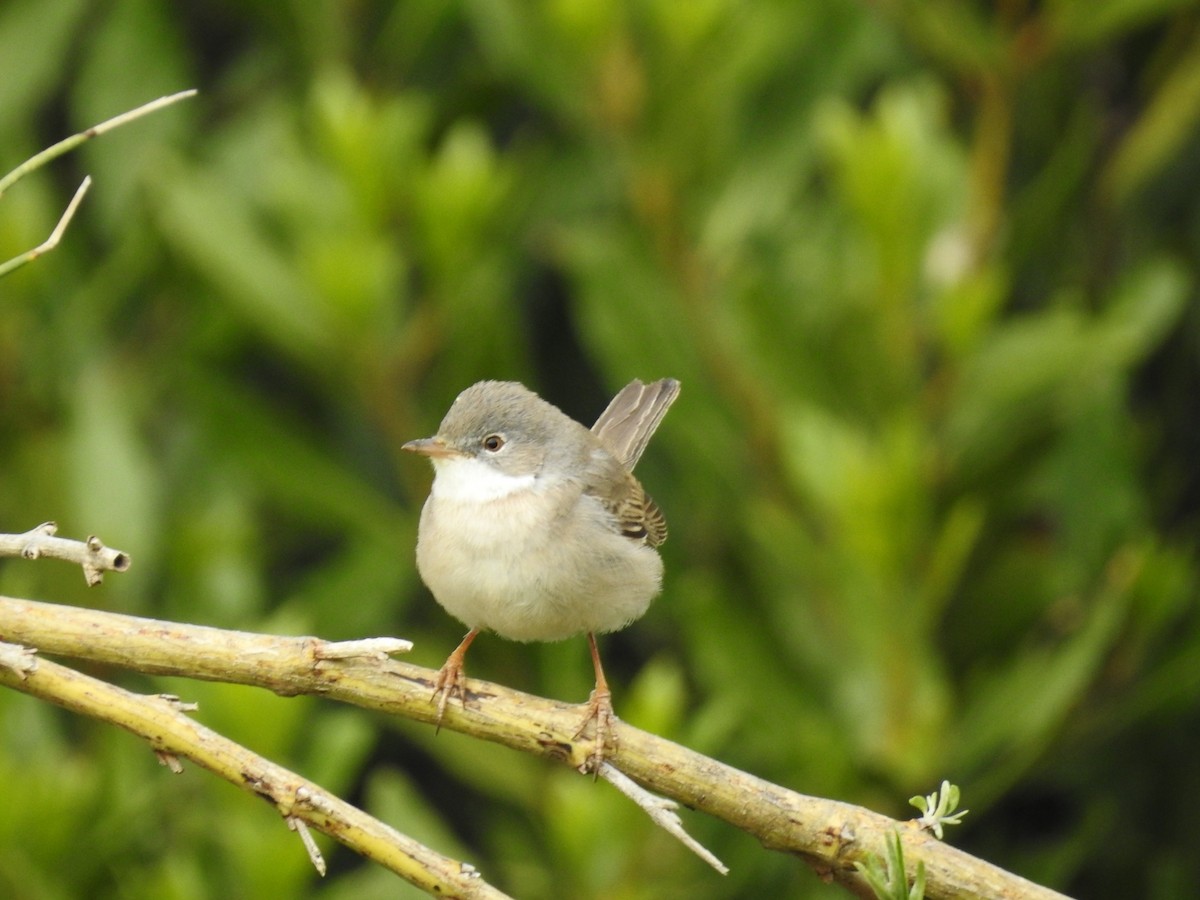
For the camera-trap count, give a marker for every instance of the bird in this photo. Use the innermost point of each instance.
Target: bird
(536, 529)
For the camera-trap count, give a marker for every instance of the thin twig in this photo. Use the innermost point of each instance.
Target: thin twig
(661, 812)
(831, 836)
(68, 144)
(173, 735)
(55, 236)
(38, 160)
(299, 826)
(91, 554)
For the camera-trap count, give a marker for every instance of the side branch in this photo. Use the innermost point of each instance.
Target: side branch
(91, 554)
(831, 836)
(55, 236)
(172, 735)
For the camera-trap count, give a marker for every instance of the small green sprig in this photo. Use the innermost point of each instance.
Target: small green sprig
(938, 809)
(891, 882)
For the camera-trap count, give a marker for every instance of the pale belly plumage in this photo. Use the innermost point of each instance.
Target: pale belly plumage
(517, 562)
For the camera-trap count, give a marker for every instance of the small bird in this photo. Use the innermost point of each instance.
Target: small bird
(535, 527)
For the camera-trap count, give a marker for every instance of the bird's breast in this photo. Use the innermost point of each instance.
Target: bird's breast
(542, 563)
(484, 534)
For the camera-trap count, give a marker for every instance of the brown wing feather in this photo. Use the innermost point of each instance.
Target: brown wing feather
(656, 524)
(639, 517)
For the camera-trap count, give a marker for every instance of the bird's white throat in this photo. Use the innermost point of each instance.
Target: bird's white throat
(470, 480)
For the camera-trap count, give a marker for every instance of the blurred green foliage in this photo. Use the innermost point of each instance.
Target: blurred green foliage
(927, 271)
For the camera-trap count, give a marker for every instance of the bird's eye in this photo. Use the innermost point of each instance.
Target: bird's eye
(492, 443)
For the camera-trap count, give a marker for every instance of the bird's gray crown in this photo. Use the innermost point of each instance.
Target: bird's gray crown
(534, 429)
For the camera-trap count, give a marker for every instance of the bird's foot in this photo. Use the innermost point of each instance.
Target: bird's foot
(449, 679)
(449, 683)
(600, 716)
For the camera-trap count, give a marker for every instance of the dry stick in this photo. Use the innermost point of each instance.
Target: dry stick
(829, 835)
(39, 542)
(661, 812)
(161, 722)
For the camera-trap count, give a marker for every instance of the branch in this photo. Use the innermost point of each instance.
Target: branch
(64, 146)
(829, 835)
(95, 558)
(68, 144)
(161, 722)
(55, 236)
(661, 811)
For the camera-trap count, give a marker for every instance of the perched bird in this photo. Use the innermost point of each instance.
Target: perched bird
(535, 527)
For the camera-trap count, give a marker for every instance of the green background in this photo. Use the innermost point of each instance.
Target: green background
(926, 270)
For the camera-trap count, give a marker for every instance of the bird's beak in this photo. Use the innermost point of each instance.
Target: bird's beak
(433, 447)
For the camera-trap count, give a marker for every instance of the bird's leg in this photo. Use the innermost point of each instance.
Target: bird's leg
(448, 677)
(600, 711)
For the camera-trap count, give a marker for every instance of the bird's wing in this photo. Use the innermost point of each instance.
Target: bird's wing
(638, 517)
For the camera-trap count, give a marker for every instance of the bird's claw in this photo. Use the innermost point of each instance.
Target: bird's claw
(599, 710)
(449, 683)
